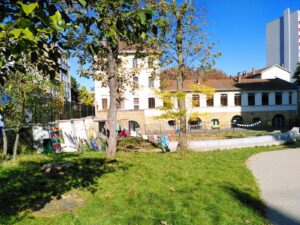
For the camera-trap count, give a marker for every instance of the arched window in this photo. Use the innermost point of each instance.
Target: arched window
(215, 124)
(133, 125)
(172, 123)
(236, 121)
(195, 123)
(278, 121)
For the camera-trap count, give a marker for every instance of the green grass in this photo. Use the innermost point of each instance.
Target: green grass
(138, 188)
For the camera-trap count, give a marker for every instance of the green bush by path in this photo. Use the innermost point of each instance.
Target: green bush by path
(138, 188)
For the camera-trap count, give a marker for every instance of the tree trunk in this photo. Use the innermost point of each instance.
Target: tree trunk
(113, 103)
(182, 140)
(16, 145)
(4, 137)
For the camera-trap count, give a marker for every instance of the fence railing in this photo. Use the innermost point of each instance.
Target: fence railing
(73, 110)
(70, 110)
(268, 125)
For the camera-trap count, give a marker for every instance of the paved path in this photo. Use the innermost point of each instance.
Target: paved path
(278, 175)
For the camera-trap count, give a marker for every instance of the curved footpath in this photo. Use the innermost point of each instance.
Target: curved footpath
(278, 176)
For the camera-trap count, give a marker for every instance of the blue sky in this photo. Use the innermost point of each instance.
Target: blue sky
(239, 27)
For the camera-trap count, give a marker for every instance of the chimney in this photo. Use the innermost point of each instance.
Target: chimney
(239, 78)
(253, 70)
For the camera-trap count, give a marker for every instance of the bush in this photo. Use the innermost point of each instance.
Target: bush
(133, 144)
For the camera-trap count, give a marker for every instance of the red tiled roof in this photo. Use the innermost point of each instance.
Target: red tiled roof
(232, 85)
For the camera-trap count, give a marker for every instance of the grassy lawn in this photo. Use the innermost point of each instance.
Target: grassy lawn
(138, 188)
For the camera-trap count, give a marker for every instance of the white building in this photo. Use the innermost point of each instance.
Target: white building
(283, 40)
(264, 95)
(271, 72)
(271, 101)
(138, 100)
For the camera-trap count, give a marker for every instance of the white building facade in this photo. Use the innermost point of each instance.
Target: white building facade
(283, 40)
(264, 95)
(138, 98)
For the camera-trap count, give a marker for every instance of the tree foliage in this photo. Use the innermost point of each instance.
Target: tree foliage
(32, 29)
(297, 74)
(74, 90)
(32, 100)
(170, 109)
(185, 46)
(86, 98)
(107, 29)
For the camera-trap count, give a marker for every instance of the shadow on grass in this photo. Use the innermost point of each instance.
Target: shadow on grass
(26, 188)
(293, 145)
(273, 215)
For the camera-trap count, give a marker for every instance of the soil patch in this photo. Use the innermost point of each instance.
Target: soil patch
(66, 203)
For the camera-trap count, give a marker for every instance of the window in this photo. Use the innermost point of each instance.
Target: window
(237, 99)
(135, 82)
(136, 103)
(104, 103)
(215, 124)
(151, 103)
(265, 98)
(172, 123)
(150, 62)
(278, 98)
(195, 123)
(223, 99)
(195, 101)
(209, 100)
(236, 121)
(290, 98)
(151, 82)
(134, 63)
(251, 99)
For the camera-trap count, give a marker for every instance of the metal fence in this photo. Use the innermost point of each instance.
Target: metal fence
(73, 110)
(227, 126)
(70, 110)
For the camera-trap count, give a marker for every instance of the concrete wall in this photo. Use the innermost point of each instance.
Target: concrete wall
(73, 130)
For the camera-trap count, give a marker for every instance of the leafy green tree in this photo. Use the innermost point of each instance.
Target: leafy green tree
(185, 46)
(297, 74)
(33, 99)
(169, 109)
(86, 97)
(106, 29)
(74, 90)
(32, 29)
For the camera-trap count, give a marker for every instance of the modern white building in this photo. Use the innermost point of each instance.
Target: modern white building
(283, 40)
